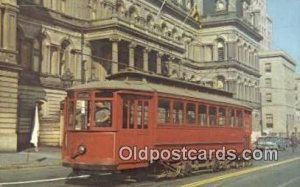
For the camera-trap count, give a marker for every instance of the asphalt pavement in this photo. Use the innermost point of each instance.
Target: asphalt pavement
(281, 173)
(29, 158)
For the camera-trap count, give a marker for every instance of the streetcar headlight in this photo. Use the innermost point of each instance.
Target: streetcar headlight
(81, 149)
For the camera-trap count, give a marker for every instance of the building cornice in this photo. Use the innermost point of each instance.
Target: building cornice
(277, 54)
(224, 64)
(211, 22)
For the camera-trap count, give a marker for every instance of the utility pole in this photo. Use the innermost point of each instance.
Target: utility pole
(287, 125)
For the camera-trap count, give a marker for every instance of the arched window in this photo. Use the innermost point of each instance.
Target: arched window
(221, 50)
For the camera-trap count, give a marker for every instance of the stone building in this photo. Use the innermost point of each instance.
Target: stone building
(297, 113)
(229, 44)
(278, 89)
(48, 45)
(45, 41)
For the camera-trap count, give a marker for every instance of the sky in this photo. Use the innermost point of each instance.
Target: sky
(285, 15)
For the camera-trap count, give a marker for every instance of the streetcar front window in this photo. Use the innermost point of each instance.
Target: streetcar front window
(71, 117)
(78, 111)
(82, 119)
(103, 111)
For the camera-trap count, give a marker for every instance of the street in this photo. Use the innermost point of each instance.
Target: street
(281, 173)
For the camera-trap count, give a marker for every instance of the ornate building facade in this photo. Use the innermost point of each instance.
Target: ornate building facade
(54, 42)
(229, 43)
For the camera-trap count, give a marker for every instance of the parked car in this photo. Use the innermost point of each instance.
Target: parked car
(282, 144)
(272, 143)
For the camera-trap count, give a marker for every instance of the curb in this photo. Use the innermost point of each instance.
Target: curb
(30, 165)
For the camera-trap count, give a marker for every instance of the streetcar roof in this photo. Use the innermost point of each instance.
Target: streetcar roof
(159, 88)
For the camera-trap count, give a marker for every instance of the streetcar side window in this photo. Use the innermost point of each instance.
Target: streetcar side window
(163, 111)
(239, 118)
(142, 114)
(103, 116)
(146, 114)
(230, 117)
(135, 113)
(190, 113)
(202, 115)
(178, 113)
(222, 116)
(212, 116)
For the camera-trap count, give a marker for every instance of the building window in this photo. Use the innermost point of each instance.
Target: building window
(268, 67)
(268, 82)
(269, 97)
(221, 51)
(269, 120)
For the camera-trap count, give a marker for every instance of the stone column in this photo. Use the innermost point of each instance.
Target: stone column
(131, 55)
(180, 73)
(158, 62)
(146, 59)
(215, 52)
(58, 64)
(227, 85)
(45, 61)
(170, 64)
(226, 49)
(115, 55)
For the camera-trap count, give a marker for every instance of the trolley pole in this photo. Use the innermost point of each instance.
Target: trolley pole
(83, 78)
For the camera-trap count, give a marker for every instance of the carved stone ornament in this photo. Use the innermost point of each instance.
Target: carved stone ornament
(221, 5)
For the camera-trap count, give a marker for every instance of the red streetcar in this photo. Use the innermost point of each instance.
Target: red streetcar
(140, 110)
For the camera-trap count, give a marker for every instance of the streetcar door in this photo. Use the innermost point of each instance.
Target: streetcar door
(135, 124)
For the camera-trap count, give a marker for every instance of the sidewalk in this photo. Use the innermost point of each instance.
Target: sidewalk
(46, 156)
